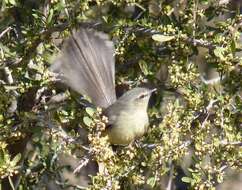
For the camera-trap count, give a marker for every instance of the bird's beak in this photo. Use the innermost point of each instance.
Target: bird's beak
(153, 90)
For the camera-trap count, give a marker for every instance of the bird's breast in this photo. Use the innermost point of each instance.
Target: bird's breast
(127, 126)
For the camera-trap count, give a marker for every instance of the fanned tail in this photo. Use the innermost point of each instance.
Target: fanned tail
(87, 65)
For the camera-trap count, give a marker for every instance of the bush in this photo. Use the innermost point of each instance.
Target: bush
(194, 134)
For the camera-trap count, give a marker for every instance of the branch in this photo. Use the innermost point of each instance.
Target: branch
(235, 143)
(169, 185)
(61, 97)
(5, 31)
(81, 164)
(192, 41)
(9, 80)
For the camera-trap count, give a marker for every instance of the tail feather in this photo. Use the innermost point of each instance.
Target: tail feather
(87, 65)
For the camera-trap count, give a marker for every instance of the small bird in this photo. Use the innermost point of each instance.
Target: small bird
(209, 74)
(86, 64)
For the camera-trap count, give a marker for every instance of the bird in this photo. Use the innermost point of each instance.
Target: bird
(86, 64)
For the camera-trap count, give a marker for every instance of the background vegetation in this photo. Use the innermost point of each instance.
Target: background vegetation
(47, 132)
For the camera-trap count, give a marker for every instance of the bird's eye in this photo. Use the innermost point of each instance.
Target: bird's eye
(142, 96)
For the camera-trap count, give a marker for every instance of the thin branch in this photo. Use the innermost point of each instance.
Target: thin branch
(9, 79)
(192, 41)
(224, 167)
(205, 121)
(11, 182)
(152, 146)
(8, 75)
(81, 164)
(235, 143)
(199, 42)
(46, 8)
(169, 185)
(5, 31)
(210, 105)
(65, 9)
(39, 94)
(69, 185)
(61, 97)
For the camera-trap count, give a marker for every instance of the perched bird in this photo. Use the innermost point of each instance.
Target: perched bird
(87, 65)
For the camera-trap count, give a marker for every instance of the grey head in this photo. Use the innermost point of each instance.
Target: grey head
(128, 116)
(138, 97)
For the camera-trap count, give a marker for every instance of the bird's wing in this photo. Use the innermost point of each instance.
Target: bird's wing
(87, 65)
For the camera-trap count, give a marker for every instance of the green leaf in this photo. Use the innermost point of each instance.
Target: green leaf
(219, 52)
(144, 67)
(220, 178)
(8, 87)
(187, 179)
(50, 16)
(90, 111)
(2, 152)
(233, 45)
(16, 159)
(12, 2)
(87, 121)
(35, 15)
(151, 181)
(162, 38)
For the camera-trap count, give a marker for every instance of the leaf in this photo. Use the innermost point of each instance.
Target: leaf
(12, 2)
(162, 38)
(151, 181)
(90, 111)
(36, 16)
(8, 87)
(144, 67)
(87, 121)
(186, 179)
(2, 160)
(233, 45)
(219, 52)
(50, 16)
(16, 159)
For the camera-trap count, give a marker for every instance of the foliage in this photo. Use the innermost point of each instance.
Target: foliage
(195, 129)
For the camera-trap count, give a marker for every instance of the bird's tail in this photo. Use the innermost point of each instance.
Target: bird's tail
(86, 64)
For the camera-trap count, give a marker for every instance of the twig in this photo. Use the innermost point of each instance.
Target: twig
(200, 42)
(5, 31)
(151, 146)
(169, 185)
(58, 98)
(8, 75)
(224, 167)
(193, 41)
(80, 187)
(21, 164)
(39, 93)
(11, 182)
(9, 79)
(74, 186)
(210, 105)
(81, 164)
(205, 121)
(224, 142)
(65, 9)
(46, 8)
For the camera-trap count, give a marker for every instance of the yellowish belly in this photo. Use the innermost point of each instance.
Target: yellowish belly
(127, 128)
